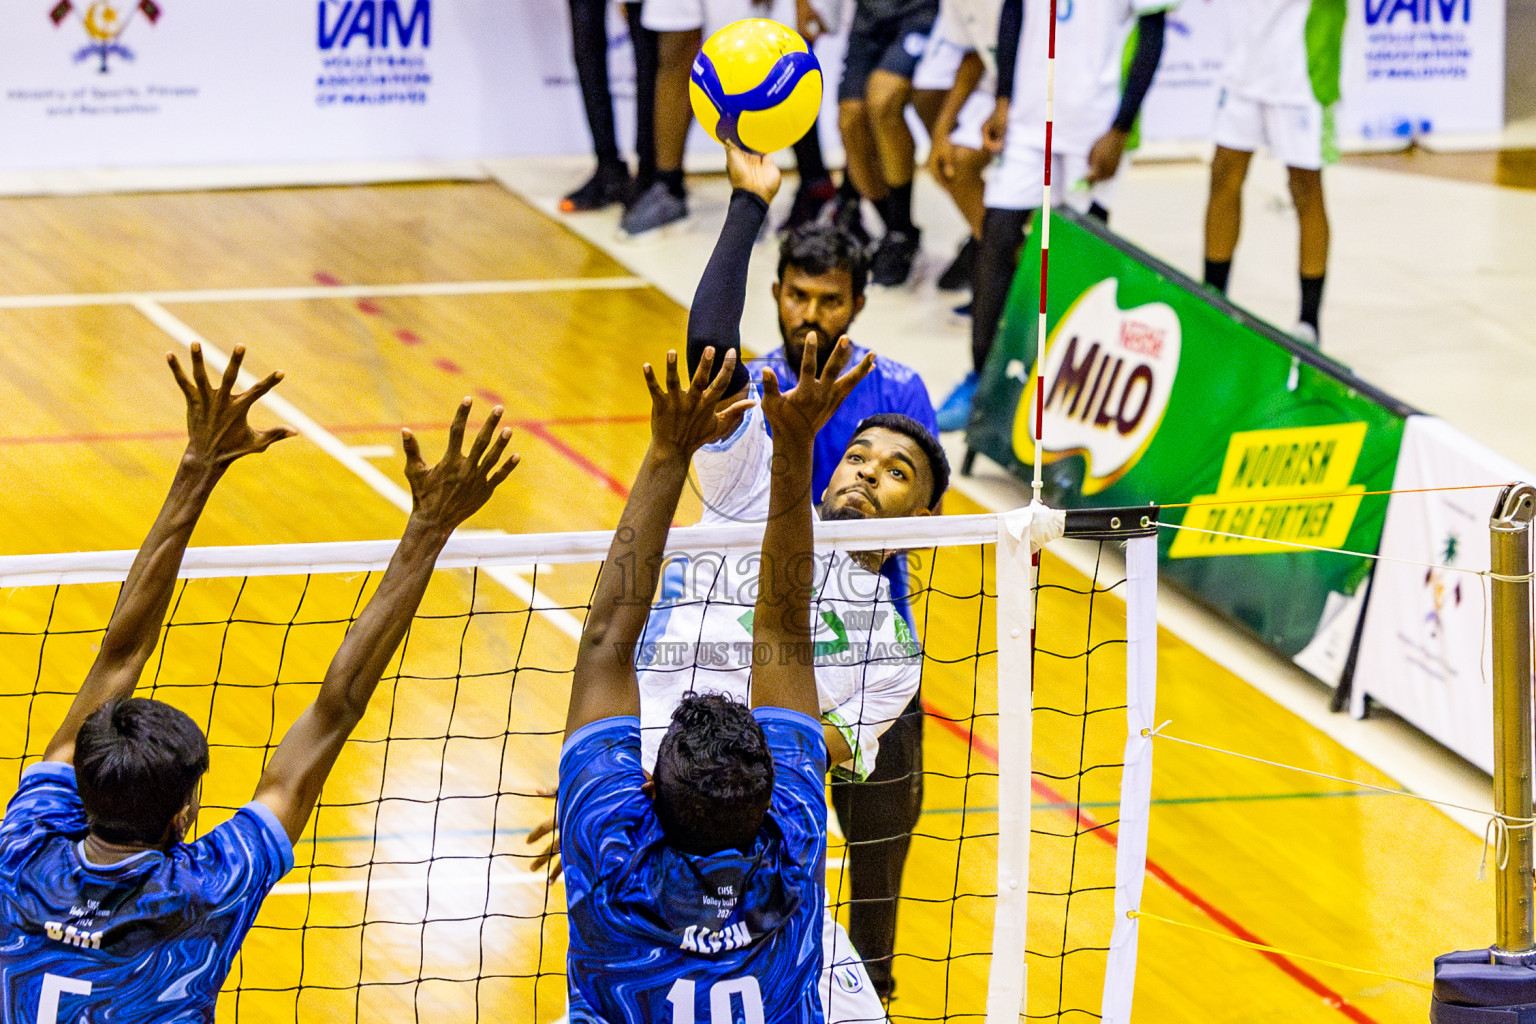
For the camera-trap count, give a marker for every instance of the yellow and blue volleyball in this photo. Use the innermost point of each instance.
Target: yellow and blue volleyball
(756, 84)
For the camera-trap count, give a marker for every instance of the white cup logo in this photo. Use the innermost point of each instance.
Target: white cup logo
(1108, 375)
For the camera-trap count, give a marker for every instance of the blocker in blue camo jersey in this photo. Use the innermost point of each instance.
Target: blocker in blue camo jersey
(149, 938)
(659, 936)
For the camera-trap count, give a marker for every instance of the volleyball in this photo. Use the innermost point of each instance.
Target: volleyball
(756, 84)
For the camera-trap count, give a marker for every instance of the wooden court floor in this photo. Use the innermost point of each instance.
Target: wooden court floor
(387, 304)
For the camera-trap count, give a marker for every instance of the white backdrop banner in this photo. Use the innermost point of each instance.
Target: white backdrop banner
(1422, 67)
(134, 83)
(1425, 651)
(1181, 105)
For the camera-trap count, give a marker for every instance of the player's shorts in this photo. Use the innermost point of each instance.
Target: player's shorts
(1292, 132)
(710, 15)
(940, 62)
(847, 994)
(1018, 182)
(895, 45)
(973, 116)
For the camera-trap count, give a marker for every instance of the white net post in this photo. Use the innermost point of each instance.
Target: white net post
(1136, 779)
(1020, 535)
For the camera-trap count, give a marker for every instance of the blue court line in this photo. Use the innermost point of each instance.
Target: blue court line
(1171, 801)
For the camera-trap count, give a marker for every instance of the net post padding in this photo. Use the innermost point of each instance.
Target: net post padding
(1020, 535)
(1136, 777)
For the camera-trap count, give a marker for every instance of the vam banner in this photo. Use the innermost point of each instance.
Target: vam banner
(1158, 391)
(1422, 67)
(1425, 650)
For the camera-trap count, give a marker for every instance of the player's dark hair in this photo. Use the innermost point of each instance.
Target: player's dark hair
(817, 249)
(714, 776)
(938, 462)
(137, 763)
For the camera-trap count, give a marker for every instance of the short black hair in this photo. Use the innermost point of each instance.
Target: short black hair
(817, 249)
(938, 462)
(714, 776)
(137, 764)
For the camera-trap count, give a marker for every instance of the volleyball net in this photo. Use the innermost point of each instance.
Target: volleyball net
(412, 897)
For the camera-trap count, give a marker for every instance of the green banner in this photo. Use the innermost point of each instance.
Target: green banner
(1157, 390)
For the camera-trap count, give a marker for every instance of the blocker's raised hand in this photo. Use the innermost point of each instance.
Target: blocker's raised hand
(685, 419)
(805, 409)
(217, 431)
(453, 490)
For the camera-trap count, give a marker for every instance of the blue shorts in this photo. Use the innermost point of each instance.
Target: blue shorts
(892, 44)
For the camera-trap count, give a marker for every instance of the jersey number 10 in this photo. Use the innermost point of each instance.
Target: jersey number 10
(55, 985)
(680, 995)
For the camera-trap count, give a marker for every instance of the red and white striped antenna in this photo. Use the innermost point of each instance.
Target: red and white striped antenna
(1045, 252)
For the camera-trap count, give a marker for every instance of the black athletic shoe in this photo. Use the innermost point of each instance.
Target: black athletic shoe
(959, 274)
(609, 184)
(891, 264)
(849, 217)
(810, 202)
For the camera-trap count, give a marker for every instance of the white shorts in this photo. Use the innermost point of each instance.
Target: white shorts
(847, 994)
(973, 117)
(1292, 132)
(710, 15)
(1018, 181)
(939, 64)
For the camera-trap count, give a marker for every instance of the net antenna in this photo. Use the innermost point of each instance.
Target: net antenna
(1037, 480)
(1021, 536)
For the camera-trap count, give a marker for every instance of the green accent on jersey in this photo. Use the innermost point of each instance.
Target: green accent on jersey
(1325, 49)
(905, 638)
(822, 648)
(860, 770)
(1330, 139)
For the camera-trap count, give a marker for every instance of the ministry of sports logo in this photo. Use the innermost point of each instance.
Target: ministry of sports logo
(104, 22)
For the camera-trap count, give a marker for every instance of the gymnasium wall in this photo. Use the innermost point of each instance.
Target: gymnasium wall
(114, 83)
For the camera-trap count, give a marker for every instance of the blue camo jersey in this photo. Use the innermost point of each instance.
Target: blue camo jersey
(150, 938)
(658, 936)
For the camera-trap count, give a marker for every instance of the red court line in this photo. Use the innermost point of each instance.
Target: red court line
(577, 459)
(1297, 973)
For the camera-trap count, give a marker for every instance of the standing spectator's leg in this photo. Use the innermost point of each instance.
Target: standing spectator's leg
(878, 817)
(646, 58)
(589, 38)
(1312, 220)
(1224, 213)
(666, 200)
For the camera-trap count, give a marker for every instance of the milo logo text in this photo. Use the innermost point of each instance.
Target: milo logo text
(1108, 373)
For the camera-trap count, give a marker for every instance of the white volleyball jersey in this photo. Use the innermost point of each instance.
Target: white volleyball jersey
(699, 635)
(971, 25)
(1270, 59)
(1090, 50)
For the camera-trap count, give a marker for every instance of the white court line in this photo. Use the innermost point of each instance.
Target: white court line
(455, 880)
(342, 291)
(364, 470)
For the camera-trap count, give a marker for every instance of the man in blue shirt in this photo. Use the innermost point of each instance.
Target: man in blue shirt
(106, 914)
(696, 894)
(819, 292)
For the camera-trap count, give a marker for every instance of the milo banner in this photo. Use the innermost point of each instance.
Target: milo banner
(1159, 391)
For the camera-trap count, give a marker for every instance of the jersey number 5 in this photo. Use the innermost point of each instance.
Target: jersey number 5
(681, 997)
(55, 985)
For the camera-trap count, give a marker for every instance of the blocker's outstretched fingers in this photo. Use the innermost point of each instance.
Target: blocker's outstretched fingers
(414, 463)
(722, 380)
(456, 430)
(199, 370)
(260, 388)
(506, 467)
(650, 382)
(187, 387)
(232, 371)
(701, 373)
(483, 439)
(673, 384)
(488, 463)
